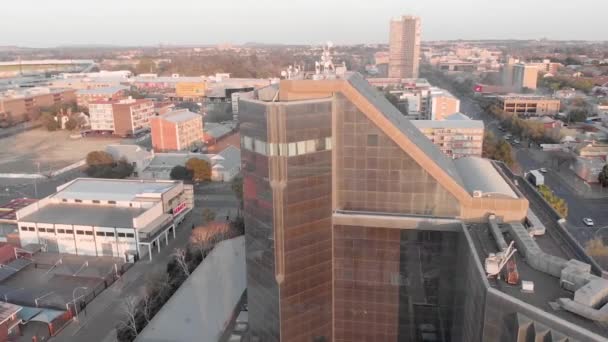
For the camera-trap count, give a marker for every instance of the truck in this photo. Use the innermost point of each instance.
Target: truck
(536, 177)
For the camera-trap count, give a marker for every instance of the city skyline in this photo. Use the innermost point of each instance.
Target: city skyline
(136, 24)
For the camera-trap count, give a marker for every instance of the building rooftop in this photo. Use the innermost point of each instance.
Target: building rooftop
(7, 310)
(420, 124)
(86, 215)
(180, 116)
(457, 116)
(217, 130)
(547, 288)
(479, 174)
(228, 159)
(102, 91)
(112, 190)
(166, 161)
(8, 211)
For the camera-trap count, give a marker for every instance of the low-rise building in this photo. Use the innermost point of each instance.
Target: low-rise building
(178, 130)
(105, 94)
(588, 169)
(528, 105)
(457, 136)
(9, 321)
(190, 91)
(22, 105)
(592, 151)
(106, 217)
(8, 219)
(124, 117)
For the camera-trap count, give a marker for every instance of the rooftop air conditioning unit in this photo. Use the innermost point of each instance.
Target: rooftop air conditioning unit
(477, 193)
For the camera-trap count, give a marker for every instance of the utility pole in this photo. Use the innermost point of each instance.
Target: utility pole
(36, 181)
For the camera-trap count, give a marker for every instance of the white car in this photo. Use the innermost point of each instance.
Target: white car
(542, 170)
(588, 222)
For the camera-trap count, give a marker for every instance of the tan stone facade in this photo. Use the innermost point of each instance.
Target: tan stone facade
(404, 50)
(529, 105)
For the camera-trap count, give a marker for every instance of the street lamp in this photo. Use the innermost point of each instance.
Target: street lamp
(74, 300)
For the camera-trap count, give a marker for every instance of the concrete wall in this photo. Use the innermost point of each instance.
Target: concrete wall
(203, 305)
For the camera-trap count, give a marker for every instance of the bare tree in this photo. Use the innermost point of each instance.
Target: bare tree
(130, 311)
(180, 258)
(201, 240)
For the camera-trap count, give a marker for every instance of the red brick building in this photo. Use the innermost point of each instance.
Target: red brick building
(176, 131)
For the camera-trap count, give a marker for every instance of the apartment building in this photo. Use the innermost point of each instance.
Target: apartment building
(20, 105)
(178, 130)
(124, 117)
(525, 76)
(442, 104)
(457, 136)
(528, 105)
(343, 203)
(106, 217)
(404, 49)
(107, 94)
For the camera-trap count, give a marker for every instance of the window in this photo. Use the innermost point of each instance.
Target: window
(60, 231)
(111, 202)
(372, 140)
(130, 235)
(78, 201)
(328, 143)
(24, 229)
(99, 234)
(301, 147)
(110, 234)
(50, 230)
(96, 201)
(292, 149)
(64, 200)
(88, 232)
(121, 235)
(80, 232)
(42, 230)
(69, 231)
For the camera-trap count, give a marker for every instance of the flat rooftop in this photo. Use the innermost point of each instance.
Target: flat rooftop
(8, 211)
(112, 190)
(181, 116)
(547, 288)
(451, 124)
(86, 215)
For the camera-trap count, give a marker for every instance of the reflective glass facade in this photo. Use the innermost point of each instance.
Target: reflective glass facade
(375, 174)
(394, 285)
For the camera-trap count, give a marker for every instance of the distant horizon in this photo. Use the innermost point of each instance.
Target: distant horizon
(207, 45)
(134, 23)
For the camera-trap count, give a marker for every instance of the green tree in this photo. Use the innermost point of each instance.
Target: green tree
(577, 115)
(201, 169)
(74, 122)
(559, 204)
(180, 172)
(101, 164)
(145, 65)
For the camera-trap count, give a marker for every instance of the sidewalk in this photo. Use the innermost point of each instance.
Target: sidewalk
(99, 319)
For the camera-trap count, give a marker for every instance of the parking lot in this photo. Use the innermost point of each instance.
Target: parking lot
(54, 280)
(22, 152)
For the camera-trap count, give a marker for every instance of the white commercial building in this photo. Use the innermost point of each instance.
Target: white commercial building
(106, 217)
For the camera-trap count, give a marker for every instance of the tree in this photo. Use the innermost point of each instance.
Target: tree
(74, 122)
(49, 121)
(201, 170)
(101, 164)
(95, 158)
(145, 65)
(577, 115)
(237, 187)
(558, 204)
(208, 215)
(130, 323)
(603, 176)
(179, 255)
(180, 172)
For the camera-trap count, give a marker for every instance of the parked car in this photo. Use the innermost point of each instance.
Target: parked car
(543, 170)
(588, 222)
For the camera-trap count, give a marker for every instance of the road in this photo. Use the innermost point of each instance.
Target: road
(578, 206)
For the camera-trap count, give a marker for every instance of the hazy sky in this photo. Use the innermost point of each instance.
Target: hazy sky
(44, 23)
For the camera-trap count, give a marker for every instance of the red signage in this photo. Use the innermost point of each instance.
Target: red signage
(478, 88)
(180, 207)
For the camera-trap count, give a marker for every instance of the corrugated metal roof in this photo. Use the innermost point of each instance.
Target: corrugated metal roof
(479, 174)
(86, 215)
